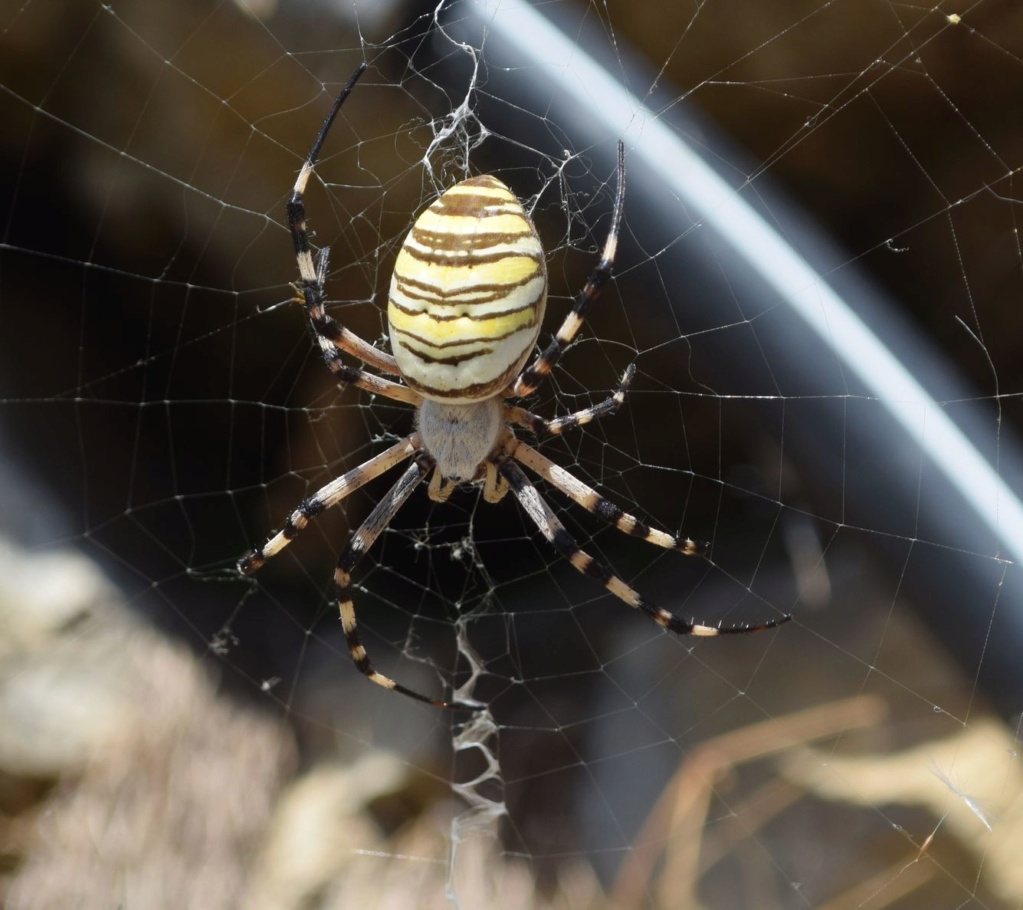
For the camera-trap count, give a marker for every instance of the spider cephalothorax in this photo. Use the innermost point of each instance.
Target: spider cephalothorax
(464, 311)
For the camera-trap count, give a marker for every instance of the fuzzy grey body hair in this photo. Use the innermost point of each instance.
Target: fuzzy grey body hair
(459, 437)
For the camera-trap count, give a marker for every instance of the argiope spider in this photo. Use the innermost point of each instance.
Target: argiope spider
(465, 308)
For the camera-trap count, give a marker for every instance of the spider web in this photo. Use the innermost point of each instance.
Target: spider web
(177, 735)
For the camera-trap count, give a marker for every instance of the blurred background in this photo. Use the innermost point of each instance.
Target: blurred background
(178, 735)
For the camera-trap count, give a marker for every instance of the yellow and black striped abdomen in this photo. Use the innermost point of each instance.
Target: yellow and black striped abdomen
(468, 293)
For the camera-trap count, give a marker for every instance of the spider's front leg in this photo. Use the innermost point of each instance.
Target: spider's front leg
(574, 488)
(326, 497)
(596, 504)
(361, 541)
(556, 533)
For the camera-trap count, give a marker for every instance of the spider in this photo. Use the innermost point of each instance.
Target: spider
(464, 312)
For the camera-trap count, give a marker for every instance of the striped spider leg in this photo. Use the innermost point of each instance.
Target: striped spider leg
(464, 310)
(327, 497)
(529, 381)
(555, 532)
(361, 540)
(574, 488)
(596, 504)
(310, 286)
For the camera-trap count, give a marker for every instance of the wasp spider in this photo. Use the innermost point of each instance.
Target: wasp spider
(465, 307)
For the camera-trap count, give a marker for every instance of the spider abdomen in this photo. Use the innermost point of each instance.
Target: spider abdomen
(467, 294)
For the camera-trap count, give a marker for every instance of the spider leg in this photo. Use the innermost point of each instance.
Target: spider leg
(531, 377)
(327, 496)
(312, 276)
(296, 208)
(574, 488)
(564, 543)
(368, 382)
(360, 542)
(541, 427)
(330, 334)
(598, 505)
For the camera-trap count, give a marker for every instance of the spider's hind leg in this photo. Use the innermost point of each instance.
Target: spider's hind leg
(312, 276)
(540, 426)
(531, 377)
